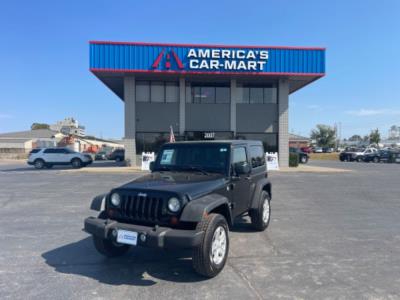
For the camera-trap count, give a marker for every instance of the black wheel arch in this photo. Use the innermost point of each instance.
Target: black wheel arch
(196, 209)
(98, 202)
(262, 185)
(74, 158)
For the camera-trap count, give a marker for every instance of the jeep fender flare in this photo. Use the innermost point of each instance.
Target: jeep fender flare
(263, 184)
(99, 203)
(196, 209)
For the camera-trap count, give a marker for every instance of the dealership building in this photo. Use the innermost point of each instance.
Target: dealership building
(204, 91)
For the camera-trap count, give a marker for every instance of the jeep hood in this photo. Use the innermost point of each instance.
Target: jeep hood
(194, 185)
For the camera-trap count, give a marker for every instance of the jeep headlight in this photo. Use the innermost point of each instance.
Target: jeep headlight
(174, 205)
(115, 199)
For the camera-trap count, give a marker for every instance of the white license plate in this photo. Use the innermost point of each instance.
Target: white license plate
(127, 237)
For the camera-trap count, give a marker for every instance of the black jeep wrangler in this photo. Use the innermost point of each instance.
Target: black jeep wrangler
(193, 194)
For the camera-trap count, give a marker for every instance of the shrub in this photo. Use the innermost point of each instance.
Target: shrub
(293, 160)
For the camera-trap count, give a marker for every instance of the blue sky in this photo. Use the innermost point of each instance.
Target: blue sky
(44, 55)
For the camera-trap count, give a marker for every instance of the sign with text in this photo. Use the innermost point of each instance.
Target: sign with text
(147, 158)
(272, 161)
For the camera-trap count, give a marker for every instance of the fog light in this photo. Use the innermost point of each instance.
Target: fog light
(143, 237)
(114, 233)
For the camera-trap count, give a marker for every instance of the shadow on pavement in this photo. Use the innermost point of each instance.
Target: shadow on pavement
(134, 268)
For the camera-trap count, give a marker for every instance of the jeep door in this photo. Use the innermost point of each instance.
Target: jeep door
(240, 182)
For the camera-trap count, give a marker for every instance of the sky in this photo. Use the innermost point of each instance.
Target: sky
(44, 56)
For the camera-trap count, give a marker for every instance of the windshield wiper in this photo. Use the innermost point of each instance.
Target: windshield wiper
(195, 168)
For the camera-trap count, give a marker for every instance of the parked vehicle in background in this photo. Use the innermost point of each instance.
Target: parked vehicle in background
(101, 155)
(303, 157)
(306, 149)
(354, 154)
(327, 150)
(117, 155)
(48, 157)
(381, 156)
(318, 150)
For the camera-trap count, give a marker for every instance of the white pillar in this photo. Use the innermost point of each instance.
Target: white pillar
(182, 103)
(283, 123)
(130, 120)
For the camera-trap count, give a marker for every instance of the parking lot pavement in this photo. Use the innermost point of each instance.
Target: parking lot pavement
(331, 236)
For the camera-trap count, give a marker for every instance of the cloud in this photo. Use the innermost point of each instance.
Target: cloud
(363, 112)
(5, 116)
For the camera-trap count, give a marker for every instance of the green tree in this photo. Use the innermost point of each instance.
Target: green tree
(355, 138)
(324, 135)
(375, 136)
(40, 126)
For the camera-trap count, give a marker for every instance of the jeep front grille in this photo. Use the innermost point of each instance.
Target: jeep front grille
(139, 208)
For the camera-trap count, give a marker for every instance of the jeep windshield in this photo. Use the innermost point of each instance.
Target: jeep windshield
(204, 158)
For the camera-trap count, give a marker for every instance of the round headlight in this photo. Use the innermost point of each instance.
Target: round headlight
(115, 199)
(174, 205)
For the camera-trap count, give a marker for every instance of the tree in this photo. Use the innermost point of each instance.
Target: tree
(324, 135)
(355, 138)
(375, 136)
(40, 126)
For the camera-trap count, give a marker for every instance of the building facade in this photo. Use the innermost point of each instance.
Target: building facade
(204, 91)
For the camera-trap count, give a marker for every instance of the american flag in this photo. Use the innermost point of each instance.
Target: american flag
(171, 135)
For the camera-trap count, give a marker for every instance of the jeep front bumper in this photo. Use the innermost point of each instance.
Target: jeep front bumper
(156, 237)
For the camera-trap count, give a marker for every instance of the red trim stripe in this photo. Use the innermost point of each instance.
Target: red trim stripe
(206, 73)
(204, 45)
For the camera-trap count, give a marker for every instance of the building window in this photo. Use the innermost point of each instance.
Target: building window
(142, 91)
(222, 95)
(257, 94)
(208, 94)
(171, 92)
(157, 91)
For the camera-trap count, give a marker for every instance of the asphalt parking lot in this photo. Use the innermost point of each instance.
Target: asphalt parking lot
(331, 236)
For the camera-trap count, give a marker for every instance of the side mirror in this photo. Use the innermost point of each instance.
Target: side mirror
(151, 166)
(242, 168)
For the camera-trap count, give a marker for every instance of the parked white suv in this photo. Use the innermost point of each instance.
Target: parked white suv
(48, 157)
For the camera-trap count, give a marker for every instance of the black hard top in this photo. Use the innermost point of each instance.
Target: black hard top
(232, 142)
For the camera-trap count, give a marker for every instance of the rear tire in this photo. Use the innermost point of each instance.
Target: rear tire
(39, 164)
(261, 216)
(376, 159)
(118, 159)
(359, 159)
(76, 163)
(210, 256)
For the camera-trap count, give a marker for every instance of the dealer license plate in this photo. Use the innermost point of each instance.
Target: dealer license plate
(127, 237)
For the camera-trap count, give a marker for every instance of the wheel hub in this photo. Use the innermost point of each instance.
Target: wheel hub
(218, 246)
(265, 211)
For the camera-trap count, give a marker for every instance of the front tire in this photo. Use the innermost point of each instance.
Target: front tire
(76, 163)
(109, 248)
(39, 164)
(261, 216)
(210, 256)
(376, 159)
